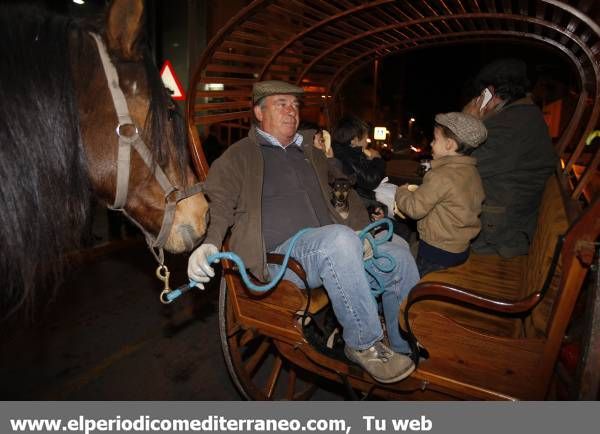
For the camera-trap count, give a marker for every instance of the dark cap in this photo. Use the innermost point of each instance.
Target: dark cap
(467, 129)
(262, 89)
(508, 76)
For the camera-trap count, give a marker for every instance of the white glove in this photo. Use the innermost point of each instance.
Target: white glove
(199, 270)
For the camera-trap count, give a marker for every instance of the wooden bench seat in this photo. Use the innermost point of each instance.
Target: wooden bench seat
(498, 278)
(489, 276)
(494, 325)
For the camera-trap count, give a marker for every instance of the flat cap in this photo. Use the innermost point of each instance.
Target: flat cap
(262, 89)
(467, 128)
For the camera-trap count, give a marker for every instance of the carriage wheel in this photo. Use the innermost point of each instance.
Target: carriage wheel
(255, 365)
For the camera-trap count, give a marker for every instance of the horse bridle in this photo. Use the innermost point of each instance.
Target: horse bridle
(173, 195)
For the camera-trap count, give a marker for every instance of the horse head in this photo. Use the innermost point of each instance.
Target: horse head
(145, 193)
(64, 134)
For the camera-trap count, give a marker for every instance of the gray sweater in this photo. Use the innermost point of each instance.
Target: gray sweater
(291, 198)
(234, 187)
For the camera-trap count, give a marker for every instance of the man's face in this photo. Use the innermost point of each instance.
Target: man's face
(279, 116)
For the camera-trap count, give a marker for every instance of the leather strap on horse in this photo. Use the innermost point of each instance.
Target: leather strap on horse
(124, 160)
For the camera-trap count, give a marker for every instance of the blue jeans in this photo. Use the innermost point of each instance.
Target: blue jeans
(332, 257)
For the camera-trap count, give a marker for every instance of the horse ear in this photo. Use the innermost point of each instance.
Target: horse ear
(124, 25)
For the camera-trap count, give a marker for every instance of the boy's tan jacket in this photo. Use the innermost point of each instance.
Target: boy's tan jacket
(447, 204)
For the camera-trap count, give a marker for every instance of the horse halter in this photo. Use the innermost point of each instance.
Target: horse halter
(172, 194)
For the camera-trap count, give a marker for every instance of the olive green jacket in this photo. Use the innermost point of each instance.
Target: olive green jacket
(234, 190)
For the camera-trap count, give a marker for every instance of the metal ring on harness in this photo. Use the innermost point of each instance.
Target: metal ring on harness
(126, 143)
(118, 129)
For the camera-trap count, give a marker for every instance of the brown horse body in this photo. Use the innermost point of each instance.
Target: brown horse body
(48, 163)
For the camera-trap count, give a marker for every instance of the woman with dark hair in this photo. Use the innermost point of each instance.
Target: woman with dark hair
(349, 142)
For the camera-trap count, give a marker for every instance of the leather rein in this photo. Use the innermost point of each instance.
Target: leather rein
(172, 194)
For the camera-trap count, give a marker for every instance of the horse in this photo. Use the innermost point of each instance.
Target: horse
(67, 132)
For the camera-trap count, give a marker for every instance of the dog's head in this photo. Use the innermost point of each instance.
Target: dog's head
(340, 188)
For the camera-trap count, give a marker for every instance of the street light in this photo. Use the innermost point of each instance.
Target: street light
(411, 122)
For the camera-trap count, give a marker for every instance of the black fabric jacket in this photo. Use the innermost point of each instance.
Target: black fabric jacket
(514, 164)
(369, 173)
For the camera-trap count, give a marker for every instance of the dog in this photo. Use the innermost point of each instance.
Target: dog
(340, 188)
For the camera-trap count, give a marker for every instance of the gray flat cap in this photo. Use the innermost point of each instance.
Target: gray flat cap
(262, 89)
(467, 128)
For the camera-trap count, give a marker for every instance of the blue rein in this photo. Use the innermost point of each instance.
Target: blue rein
(372, 262)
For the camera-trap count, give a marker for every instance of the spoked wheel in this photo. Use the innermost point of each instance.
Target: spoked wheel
(257, 368)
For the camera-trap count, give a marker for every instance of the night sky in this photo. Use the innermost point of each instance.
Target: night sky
(424, 82)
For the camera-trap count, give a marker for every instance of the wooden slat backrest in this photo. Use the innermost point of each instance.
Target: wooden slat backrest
(552, 223)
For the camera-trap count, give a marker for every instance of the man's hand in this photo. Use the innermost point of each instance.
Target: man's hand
(322, 141)
(473, 107)
(199, 269)
(377, 214)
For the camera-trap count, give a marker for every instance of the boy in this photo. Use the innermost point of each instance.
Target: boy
(448, 203)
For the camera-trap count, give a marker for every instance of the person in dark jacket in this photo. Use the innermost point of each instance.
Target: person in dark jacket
(349, 142)
(274, 182)
(514, 163)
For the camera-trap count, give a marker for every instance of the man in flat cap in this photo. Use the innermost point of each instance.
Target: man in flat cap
(516, 160)
(268, 186)
(448, 203)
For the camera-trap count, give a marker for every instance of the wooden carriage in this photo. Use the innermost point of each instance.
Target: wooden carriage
(491, 328)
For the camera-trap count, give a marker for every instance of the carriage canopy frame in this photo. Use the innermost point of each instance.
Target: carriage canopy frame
(318, 44)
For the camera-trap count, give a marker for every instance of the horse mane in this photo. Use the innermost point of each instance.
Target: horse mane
(163, 116)
(44, 183)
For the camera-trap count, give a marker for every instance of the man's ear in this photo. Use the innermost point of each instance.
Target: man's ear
(258, 112)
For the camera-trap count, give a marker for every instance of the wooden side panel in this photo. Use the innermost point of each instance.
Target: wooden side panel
(552, 223)
(273, 313)
(500, 365)
(416, 387)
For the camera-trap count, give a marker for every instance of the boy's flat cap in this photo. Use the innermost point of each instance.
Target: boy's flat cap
(262, 89)
(467, 128)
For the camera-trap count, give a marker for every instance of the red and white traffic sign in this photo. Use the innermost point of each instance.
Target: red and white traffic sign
(171, 82)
